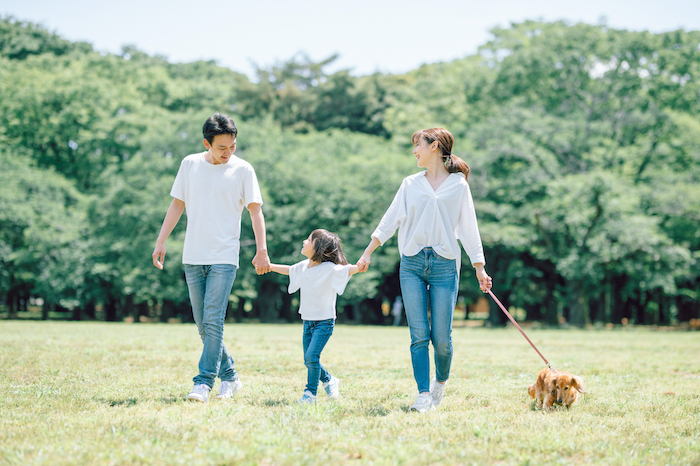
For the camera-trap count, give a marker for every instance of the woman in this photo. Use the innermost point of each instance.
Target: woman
(431, 210)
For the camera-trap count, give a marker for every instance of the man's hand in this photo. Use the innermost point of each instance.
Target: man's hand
(159, 255)
(262, 262)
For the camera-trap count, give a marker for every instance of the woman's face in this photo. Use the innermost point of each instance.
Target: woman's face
(425, 152)
(308, 247)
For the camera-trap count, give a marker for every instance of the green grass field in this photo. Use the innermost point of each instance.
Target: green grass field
(98, 393)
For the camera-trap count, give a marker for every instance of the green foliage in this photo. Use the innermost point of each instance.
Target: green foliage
(582, 140)
(20, 39)
(42, 239)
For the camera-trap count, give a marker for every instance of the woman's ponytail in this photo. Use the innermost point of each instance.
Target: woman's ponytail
(456, 165)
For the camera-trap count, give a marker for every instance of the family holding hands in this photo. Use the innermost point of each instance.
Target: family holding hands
(431, 211)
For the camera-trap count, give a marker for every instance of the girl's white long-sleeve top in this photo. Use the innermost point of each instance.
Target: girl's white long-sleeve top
(433, 218)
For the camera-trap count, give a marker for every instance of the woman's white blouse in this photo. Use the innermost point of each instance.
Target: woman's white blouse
(433, 218)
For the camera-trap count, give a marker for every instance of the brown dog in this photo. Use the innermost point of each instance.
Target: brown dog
(555, 387)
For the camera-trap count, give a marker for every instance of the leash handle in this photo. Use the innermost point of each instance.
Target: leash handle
(518, 326)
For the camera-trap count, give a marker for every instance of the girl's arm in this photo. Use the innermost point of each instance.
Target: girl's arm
(282, 269)
(353, 270)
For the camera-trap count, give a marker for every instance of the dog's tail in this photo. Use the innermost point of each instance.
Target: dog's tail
(531, 390)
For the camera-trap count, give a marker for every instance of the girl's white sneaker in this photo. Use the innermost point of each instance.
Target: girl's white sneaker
(308, 398)
(423, 403)
(332, 388)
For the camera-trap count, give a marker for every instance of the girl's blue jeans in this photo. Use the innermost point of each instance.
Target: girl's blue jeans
(210, 287)
(429, 282)
(316, 335)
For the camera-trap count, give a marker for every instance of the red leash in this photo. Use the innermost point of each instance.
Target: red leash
(518, 326)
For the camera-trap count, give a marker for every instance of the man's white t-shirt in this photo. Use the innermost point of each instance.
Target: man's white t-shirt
(214, 197)
(320, 285)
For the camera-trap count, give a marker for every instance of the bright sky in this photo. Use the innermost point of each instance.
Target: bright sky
(391, 36)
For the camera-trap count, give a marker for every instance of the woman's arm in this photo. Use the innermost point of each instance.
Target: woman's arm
(366, 259)
(282, 269)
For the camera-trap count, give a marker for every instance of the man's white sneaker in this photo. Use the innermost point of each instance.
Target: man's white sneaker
(228, 389)
(423, 403)
(437, 391)
(331, 388)
(200, 392)
(308, 398)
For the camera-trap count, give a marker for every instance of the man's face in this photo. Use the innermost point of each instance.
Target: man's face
(221, 148)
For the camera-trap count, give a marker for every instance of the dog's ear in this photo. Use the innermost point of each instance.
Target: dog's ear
(578, 383)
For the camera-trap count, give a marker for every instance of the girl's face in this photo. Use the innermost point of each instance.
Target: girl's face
(308, 249)
(425, 152)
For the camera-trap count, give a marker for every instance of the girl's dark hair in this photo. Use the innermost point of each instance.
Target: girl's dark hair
(445, 141)
(327, 247)
(218, 124)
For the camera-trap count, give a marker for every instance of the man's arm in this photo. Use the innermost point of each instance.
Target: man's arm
(171, 218)
(261, 261)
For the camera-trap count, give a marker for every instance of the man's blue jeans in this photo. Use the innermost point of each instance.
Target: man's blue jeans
(316, 335)
(210, 287)
(429, 282)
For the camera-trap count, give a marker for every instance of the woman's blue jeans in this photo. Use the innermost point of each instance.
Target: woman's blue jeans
(316, 335)
(210, 287)
(429, 283)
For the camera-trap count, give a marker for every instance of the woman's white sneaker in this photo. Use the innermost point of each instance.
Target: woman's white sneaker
(437, 391)
(423, 403)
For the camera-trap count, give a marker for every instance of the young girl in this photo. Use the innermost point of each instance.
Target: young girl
(432, 210)
(321, 278)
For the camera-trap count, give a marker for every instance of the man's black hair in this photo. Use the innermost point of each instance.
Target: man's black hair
(218, 124)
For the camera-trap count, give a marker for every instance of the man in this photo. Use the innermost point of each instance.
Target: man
(214, 187)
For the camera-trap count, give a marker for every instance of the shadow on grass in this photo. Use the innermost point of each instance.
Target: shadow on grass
(377, 411)
(131, 402)
(172, 400)
(271, 403)
(128, 402)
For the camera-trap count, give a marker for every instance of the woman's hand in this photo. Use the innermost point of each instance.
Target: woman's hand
(485, 282)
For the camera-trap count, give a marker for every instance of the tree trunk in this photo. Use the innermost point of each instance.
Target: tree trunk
(497, 317)
(578, 308)
(267, 301)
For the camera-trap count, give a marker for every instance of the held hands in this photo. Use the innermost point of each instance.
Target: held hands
(261, 261)
(363, 263)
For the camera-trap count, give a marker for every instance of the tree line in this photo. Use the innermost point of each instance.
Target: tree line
(583, 143)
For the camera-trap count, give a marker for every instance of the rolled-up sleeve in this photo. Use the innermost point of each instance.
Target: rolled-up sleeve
(394, 216)
(467, 230)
